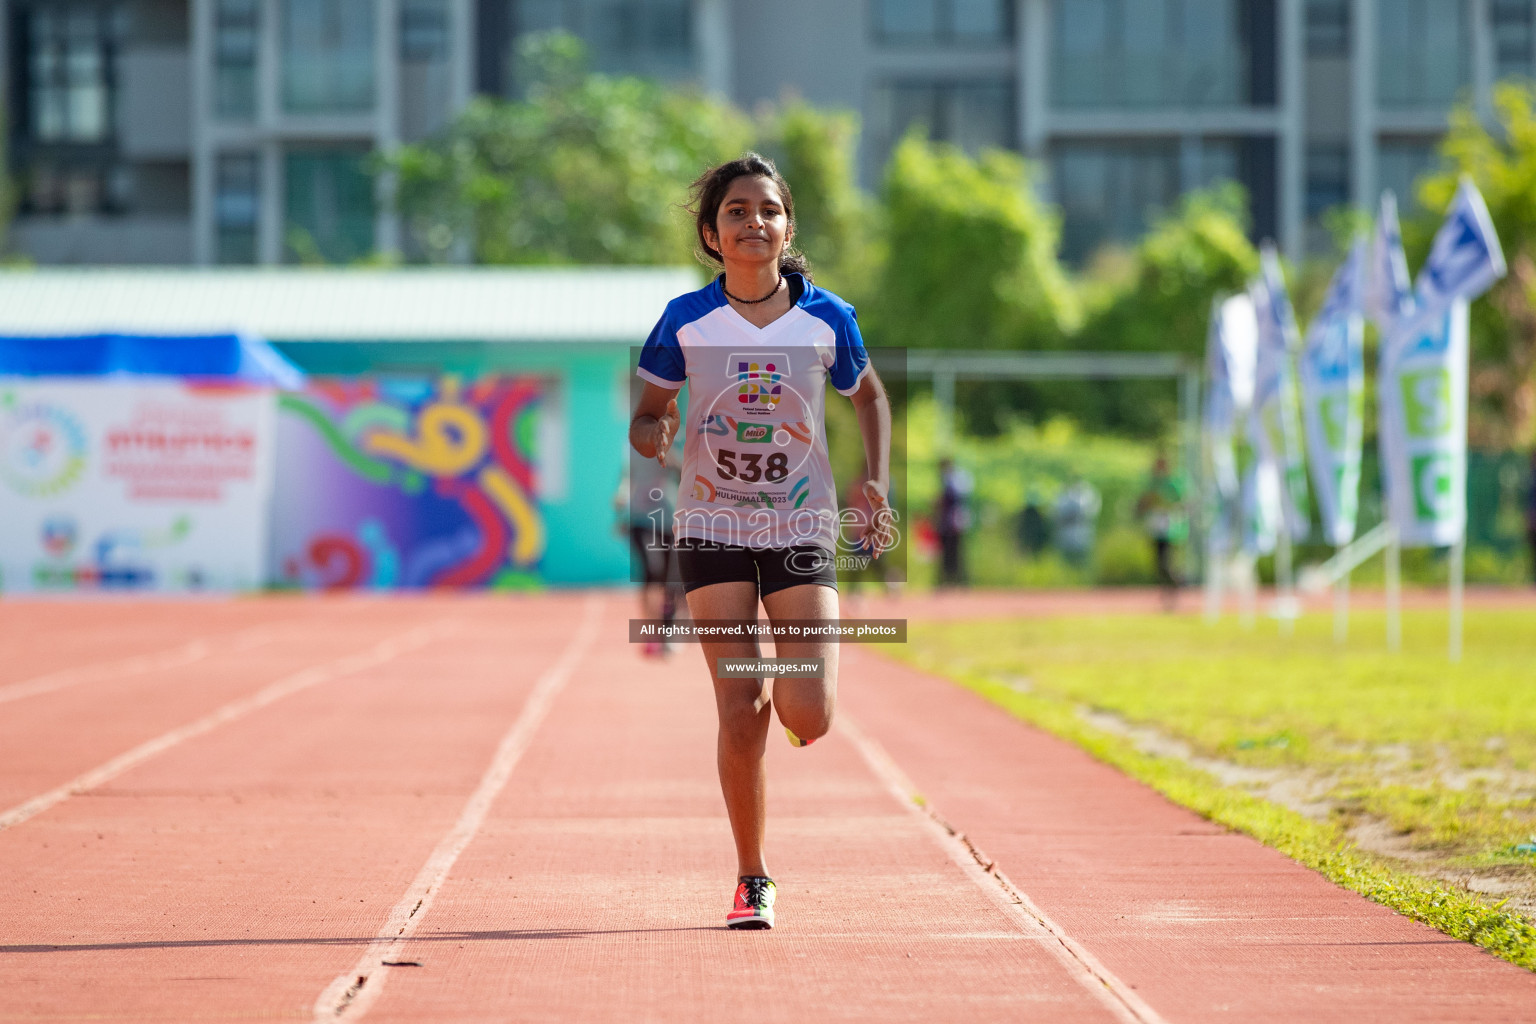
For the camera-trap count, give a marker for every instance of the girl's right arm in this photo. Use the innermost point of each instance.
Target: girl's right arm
(655, 423)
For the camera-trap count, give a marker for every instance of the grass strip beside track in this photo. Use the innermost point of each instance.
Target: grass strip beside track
(1356, 719)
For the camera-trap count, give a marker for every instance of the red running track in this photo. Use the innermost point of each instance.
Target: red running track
(499, 798)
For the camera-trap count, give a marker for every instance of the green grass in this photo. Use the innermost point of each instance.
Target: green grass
(1442, 754)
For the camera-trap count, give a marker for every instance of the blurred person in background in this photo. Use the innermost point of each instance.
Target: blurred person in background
(643, 507)
(1161, 511)
(1034, 530)
(1076, 513)
(953, 520)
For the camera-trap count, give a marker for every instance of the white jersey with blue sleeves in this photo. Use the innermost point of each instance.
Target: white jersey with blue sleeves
(755, 467)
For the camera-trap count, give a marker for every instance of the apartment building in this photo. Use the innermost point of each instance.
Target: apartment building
(238, 131)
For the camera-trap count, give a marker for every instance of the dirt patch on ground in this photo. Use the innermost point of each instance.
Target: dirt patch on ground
(1313, 794)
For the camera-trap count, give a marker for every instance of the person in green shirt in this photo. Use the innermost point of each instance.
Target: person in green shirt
(1161, 511)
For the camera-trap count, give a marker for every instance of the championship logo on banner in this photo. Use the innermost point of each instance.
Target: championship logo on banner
(408, 482)
(1333, 399)
(1274, 425)
(1422, 388)
(153, 485)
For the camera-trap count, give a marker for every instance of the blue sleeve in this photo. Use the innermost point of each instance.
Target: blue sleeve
(661, 360)
(852, 361)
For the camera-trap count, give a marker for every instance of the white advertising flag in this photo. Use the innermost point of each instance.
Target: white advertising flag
(1231, 351)
(1422, 381)
(1422, 395)
(158, 486)
(1332, 370)
(1273, 422)
(1388, 294)
(1465, 259)
(1261, 509)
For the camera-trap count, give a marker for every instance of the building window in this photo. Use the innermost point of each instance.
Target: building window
(236, 27)
(424, 30)
(425, 75)
(1149, 53)
(1423, 52)
(1512, 38)
(1327, 174)
(1400, 163)
(236, 203)
(328, 56)
(650, 38)
(1111, 191)
(943, 21)
(1328, 28)
(69, 50)
(973, 115)
(63, 137)
(328, 206)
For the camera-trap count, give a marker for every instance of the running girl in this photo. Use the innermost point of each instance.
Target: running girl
(757, 515)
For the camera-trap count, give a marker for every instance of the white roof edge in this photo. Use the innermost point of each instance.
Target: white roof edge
(566, 304)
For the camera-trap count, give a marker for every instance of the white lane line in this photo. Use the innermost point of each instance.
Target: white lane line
(285, 687)
(1118, 997)
(349, 996)
(139, 664)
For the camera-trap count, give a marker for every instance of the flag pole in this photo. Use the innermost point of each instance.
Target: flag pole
(1341, 609)
(1458, 586)
(1250, 592)
(1214, 566)
(1285, 586)
(1394, 593)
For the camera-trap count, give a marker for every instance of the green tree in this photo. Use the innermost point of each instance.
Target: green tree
(971, 259)
(1161, 302)
(815, 151)
(1502, 162)
(585, 168)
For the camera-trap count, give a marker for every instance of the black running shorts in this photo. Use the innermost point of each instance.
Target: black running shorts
(702, 563)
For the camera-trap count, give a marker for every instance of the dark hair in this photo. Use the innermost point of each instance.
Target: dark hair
(708, 191)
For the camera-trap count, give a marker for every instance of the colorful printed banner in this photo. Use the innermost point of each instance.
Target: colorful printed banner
(408, 482)
(1422, 389)
(157, 486)
(1274, 426)
(1332, 371)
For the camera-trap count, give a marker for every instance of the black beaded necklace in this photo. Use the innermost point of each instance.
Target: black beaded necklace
(752, 302)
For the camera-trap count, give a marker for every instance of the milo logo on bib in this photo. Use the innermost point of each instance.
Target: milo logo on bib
(754, 433)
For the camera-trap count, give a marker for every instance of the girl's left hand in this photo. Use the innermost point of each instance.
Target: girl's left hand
(879, 534)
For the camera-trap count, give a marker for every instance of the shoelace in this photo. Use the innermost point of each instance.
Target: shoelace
(757, 891)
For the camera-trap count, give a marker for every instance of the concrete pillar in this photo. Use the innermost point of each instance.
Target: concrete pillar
(269, 113)
(1034, 92)
(269, 202)
(712, 47)
(203, 169)
(461, 54)
(1292, 142)
(386, 125)
(1479, 19)
(1363, 187)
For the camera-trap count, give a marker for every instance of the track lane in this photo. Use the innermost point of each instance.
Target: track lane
(1202, 923)
(52, 738)
(597, 889)
(236, 873)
